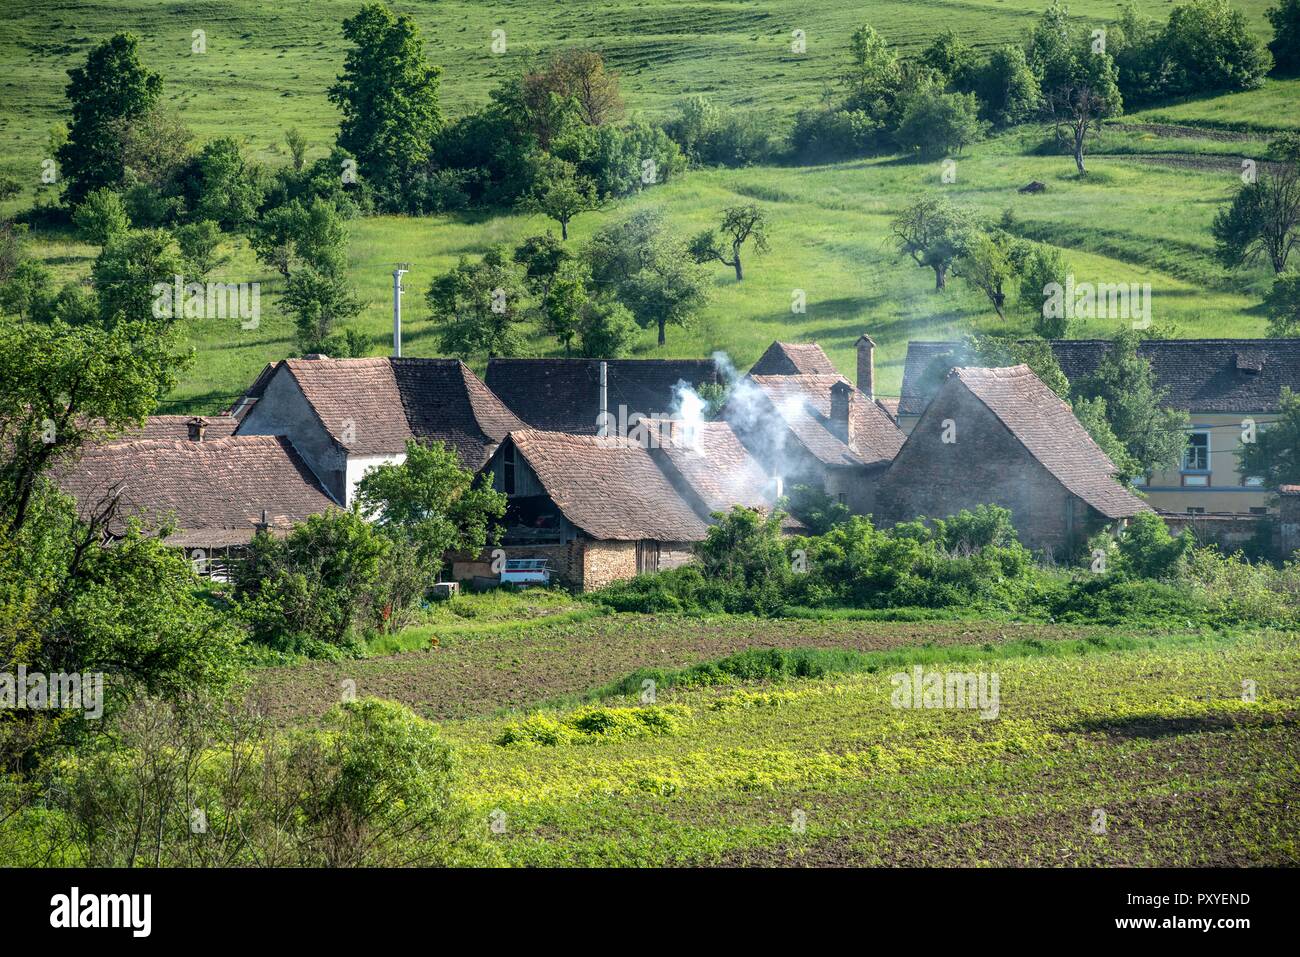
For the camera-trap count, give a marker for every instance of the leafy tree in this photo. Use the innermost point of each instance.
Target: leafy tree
(560, 194)
(825, 134)
(1209, 46)
(1091, 414)
(312, 233)
(1274, 456)
(873, 78)
(479, 305)
(745, 550)
(935, 123)
(9, 188)
(1154, 435)
(541, 257)
(581, 76)
(112, 85)
(1080, 89)
(318, 590)
(648, 270)
(101, 216)
(1262, 221)
(989, 260)
(199, 243)
(932, 231)
(606, 328)
(1282, 304)
(222, 186)
(155, 148)
(566, 303)
(388, 96)
(433, 502)
(26, 293)
(1147, 550)
(739, 225)
(127, 269)
(297, 144)
(1007, 90)
(951, 58)
(1285, 45)
(1043, 265)
(320, 302)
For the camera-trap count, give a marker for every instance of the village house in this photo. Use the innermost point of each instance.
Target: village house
(1002, 437)
(1229, 387)
(808, 426)
(209, 494)
(564, 395)
(345, 416)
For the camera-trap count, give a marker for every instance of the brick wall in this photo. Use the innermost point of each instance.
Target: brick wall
(985, 464)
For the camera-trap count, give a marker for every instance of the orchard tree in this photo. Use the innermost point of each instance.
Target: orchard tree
(566, 302)
(478, 306)
(739, 225)
(606, 328)
(932, 231)
(199, 244)
(110, 87)
(1263, 220)
(990, 260)
(1081, 92)
(541, 257)
(127, 269)
(315, 234)
(935, 123)
(320, 302)
(560, 194)
(581, 76)
(388, 96)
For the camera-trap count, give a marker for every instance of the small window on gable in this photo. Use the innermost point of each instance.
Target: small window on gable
(508, 471)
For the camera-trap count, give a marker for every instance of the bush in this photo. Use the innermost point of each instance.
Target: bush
(823, 135)
(1285, 45)
(1147, 550)
(936, 124)
(101, 216)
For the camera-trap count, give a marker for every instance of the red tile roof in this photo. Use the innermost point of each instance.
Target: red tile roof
(717, 468)
(804, 403)
(610, 488)
(1047, 428)
(372, 406)
(793, 358)
(214, 491)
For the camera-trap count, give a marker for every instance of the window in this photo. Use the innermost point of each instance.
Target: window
(1252, 481)
(1196, 457)
(508, 471)
(1195, 510)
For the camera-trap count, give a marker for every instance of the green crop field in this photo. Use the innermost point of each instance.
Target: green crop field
(1153, 731)
(1142, 216)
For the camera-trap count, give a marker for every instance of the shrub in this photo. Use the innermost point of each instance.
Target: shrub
(1148, 550)
(101, 216)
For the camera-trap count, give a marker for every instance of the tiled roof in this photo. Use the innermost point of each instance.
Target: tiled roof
(215, 491)
(372, 406)
(563, 395)
(1047, 428)
(804, 403)
(718, 468)
(1226, 376)
(609, 487)
(239, 408)
(793, 358)
(176, 428)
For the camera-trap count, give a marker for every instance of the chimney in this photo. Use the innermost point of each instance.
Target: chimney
(841, 403)
(197, 426)
(866, 366)
(264, 525)
(602, 417)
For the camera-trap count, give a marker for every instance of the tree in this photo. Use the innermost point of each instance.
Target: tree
(649, 270)
(989, 260)
(581, 75)
(950, 57)
(932, 232)
(1274, 456)
(198, 243)
(127, 269)
(111, 86)
(1081, 90)
(1092, 415)
(1006, 88)
(561, 194)
(320, 301)
(606, 328)
(1147, 550)
(1285, 45)
(541, 257)
(566, 302)
(1155, 436)
(313, 233)
(222, 186)
(1262, 221)
(1209, 46)
(297, 144)
(935, 123)
(873, 77)
(739, 225)
(1282, 304)
(388, 96)
(433, 502)
(478, 306)
(155, 147)
(101, 216)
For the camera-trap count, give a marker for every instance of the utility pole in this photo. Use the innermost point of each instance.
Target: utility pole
(402, 269)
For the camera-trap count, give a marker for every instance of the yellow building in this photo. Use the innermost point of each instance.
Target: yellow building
(1230, 389)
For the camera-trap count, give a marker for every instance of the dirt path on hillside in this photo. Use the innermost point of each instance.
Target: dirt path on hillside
(1189, 132)
(480, 675)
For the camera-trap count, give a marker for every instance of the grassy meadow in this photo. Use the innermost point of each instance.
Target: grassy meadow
(1142, 215)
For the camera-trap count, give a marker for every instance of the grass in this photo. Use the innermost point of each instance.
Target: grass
(1154, 732)
(1132, 220)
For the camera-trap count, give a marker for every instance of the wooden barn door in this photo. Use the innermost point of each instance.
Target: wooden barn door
(647, 556)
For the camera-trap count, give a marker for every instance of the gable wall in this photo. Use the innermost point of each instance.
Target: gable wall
(284, 410)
